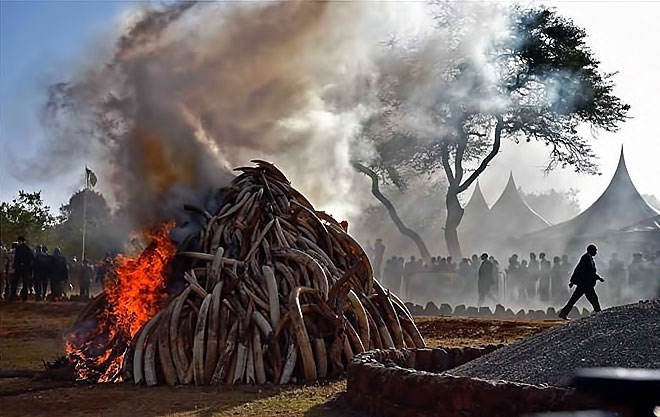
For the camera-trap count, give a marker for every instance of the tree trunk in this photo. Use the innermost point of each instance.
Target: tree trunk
(454, 216)
(421, 246)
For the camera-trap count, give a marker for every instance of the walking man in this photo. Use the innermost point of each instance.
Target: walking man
(584, 278)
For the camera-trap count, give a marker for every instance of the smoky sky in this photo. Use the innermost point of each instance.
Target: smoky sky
(191, 90)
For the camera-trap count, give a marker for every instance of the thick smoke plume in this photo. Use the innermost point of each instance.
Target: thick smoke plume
(193, 90)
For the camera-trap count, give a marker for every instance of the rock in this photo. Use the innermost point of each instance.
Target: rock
(431, 309)
(415, 309)
(445, 309)
(460, 310)
(485, 312)
(472, 312)
(499, 311)
(521, 314)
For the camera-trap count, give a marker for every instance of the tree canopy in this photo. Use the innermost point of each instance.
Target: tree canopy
(98, 230)
(26, 215)
(532, 79)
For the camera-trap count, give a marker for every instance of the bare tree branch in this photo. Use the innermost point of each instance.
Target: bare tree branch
(414, 236)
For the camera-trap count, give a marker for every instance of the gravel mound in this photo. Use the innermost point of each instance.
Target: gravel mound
(626, 336)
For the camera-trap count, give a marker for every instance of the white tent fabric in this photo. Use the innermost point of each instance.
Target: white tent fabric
(618, 207)
(511, 216)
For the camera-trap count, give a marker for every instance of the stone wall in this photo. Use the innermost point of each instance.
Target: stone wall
(500, 312)
(410, 382)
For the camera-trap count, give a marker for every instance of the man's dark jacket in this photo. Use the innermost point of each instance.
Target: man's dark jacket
(42, 265)
(486, 274)
(585, 274)
(23, 258)
(60, 269)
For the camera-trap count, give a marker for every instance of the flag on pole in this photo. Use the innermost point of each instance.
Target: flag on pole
(90, 178)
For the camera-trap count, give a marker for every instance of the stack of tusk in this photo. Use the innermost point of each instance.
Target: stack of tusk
(277, 292)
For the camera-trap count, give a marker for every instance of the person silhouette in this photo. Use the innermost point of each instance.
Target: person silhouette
(584, 278)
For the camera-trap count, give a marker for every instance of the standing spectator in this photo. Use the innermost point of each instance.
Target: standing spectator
(451, 266)
(60, 275)
(9, 267)
(85, 277)
(379, 251)
(398, 273)
(485, 280)
(103, 268)
(442, 265)
(513, 275)
(557, 277)
(3, 269)
(464, 270)
(74, 272)
(496, 274)
(566, 266)
(387, 272)
(636, 273)
(617, 278)
(42, 270)
(409, 270)
(544, 278)
(23, 264)
(532, 278)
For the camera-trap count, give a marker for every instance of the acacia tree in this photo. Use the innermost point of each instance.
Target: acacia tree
(538, 81)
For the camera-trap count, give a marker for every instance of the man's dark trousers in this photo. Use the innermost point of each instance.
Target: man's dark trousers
(586, 290)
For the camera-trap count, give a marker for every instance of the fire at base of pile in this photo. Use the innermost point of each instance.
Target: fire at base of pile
(276, 292)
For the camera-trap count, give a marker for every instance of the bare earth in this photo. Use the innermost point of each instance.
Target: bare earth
(30, 332)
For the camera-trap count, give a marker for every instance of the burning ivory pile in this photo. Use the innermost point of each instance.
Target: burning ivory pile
(277, 292)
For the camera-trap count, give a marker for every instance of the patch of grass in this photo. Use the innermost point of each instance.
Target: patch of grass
(28, 354)
(296, 401)
(30, 332)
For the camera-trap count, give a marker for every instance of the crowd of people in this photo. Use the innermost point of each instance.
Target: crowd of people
(536, 280)
(405, 277)
(30, 272)
(34, 273)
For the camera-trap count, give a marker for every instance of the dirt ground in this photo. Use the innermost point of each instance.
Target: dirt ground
(30, 332)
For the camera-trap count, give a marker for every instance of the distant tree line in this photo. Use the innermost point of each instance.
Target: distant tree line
(28, 215)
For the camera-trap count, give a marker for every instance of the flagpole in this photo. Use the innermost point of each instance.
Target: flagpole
(84, 228)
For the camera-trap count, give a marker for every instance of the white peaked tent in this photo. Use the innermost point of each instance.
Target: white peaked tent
(511, 216)
(476, 210)
(475, 219)
(619, 206)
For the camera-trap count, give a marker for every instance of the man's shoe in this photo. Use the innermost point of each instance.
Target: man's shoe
(563, 316)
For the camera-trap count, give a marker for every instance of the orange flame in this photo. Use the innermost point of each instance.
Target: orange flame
(138, 291)
(135, 292)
